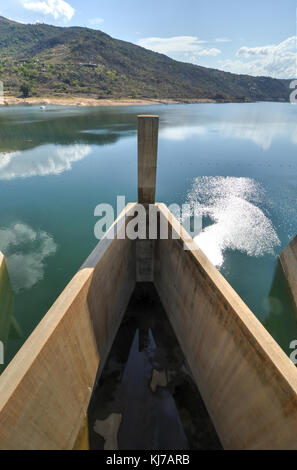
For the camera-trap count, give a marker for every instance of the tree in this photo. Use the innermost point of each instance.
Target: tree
(25, 89)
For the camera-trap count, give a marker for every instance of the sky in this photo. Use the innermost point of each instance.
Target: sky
(256, 37)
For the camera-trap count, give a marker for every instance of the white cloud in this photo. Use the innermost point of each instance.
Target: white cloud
(276, 60)
(96, 21)
(193, 57)
(222, 40)
(56, 8)
(191, 46)
(26, 251)
(285, 46)
(174, 44)
(208, 52)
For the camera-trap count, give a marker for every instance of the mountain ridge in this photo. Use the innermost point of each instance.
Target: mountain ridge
(41, 59)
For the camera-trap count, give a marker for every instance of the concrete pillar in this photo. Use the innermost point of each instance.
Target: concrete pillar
(148, 127)
(288, 259)
(8, 324)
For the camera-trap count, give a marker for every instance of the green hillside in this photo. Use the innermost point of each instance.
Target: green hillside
(46, 60)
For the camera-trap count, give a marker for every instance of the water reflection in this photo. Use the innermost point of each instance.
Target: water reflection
(27, 128)
(249, 205)
(9, 327)
(146, 397)
(26, 251)
(182, 133)
(255, 124)
(261, 123)
(44, 160)
(280, 311)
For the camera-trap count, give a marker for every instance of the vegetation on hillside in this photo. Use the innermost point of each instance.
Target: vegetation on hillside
(46, 60)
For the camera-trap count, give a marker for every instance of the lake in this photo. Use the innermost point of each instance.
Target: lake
(237, 161)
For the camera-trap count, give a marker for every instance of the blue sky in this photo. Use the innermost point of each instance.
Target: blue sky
(256, 37)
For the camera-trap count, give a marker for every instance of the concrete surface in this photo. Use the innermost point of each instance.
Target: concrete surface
(45, 390)
(288, 259)
(6, 301)
(146, 397)
(247, 382)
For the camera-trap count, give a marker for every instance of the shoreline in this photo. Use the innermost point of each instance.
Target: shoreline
(97, 102)
(80, 101)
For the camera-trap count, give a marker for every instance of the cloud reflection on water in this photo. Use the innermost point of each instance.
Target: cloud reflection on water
(256, 124)
(26, 251)
(41, 161)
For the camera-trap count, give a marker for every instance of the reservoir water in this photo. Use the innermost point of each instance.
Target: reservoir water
(237, 161)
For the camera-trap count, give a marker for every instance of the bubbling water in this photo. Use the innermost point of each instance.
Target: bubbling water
(238, 222)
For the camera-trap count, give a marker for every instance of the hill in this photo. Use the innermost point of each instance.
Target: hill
(45, 60)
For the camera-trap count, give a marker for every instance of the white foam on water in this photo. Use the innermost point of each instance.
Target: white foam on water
(239, 224)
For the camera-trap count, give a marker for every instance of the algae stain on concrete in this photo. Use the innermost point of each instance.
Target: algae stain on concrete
(9, 327)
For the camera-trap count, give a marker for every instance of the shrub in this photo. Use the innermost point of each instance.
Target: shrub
(25, 89)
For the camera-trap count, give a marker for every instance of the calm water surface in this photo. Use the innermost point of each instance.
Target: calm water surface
(238, 161)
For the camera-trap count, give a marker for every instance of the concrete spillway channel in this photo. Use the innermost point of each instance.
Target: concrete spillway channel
(288, 259)
(78, 380)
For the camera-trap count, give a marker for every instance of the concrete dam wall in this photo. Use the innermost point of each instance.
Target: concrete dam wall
(46, 389)
(9, 327)
(6, 301)
(288, 259)
(247, 382)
